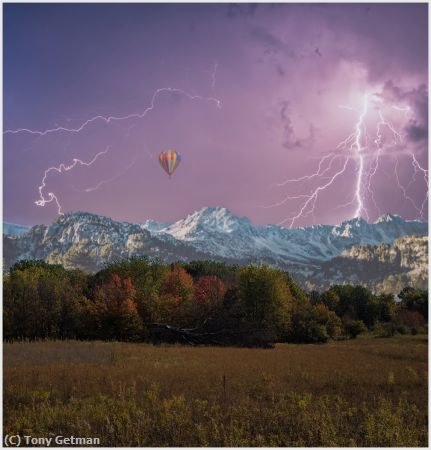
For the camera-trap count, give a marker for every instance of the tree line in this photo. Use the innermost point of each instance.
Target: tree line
(201, 302)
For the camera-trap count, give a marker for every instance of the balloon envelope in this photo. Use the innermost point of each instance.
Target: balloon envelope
(169, 161)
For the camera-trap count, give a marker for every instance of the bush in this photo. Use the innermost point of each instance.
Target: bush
(402, 329)
(386, 329)
(307, 325)
(352, 328)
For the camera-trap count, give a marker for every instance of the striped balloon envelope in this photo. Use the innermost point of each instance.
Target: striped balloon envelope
(169, 160)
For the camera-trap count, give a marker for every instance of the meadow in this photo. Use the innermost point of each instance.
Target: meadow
(362, 392)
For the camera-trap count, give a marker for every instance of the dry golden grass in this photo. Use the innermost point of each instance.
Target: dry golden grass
(367, 392)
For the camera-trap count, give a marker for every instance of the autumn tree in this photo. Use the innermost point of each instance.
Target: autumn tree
(176, 297)
(328, 319)
(209, 293)
(117, 311)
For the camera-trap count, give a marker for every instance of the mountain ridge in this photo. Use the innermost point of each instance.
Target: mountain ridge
(88, 241)
(219, 232)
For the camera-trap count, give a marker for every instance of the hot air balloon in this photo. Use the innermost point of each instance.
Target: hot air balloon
(169, 161)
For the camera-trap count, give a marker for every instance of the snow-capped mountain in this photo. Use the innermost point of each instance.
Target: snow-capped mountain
(88, 241)
(218, 232)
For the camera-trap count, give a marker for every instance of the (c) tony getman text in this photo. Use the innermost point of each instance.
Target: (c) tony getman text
(26, 440)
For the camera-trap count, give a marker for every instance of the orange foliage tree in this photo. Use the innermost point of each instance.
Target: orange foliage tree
(177, 297)
(116, 311)
(209, 296)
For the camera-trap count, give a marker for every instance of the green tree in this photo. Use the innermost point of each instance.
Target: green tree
(331, 299)
(357, 303)
(39, 301)
(387, 307)
(415, 300)
(307, 325)
(265, 298)
(328, 319)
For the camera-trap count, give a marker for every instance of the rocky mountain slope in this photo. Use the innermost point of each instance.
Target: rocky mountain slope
(88, 241)
(316, 256)
(384, 267)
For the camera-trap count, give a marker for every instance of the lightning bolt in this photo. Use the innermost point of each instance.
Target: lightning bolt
(403, 189)
(353, 145)
(51, 196)
(311, 199)
(314, 175)
(109, 180)
(379, 144)
(60, 169)
(415, 164)
(109, 119)
(358, 147)
(418, 167)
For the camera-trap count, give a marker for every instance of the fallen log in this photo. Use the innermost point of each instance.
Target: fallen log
(161, 332)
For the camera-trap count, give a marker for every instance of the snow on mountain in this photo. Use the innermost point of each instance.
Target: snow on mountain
(318, 254)
(389, 218)
(14, 229)
(220, 233)
(153, 226)
(89, 241)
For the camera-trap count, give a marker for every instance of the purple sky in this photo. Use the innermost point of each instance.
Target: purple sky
(293, 82)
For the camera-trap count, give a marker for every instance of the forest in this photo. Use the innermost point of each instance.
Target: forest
(196, 303)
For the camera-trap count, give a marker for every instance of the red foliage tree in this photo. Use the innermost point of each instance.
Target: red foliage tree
(116, 295)
(176, 297)
(116, 310)
(209, 290)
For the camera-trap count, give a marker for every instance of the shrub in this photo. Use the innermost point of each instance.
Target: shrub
(352, 328)
(402, 329)
(386, 329)
(306, 325)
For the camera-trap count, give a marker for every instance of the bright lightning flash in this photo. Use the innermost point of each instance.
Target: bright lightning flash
(358, 148)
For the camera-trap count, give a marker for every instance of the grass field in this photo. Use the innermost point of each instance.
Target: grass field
(364, 392)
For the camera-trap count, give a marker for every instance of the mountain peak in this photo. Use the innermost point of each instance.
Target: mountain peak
(79, 215)
(213, 211)
(387, 217)
(89, 241)
(209, 219)
(358, 221)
